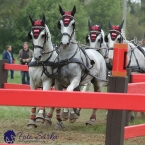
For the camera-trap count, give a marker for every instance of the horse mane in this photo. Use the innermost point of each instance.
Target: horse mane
(123, 35)
(47, 29)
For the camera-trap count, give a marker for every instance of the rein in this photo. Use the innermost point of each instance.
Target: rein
(70, 36)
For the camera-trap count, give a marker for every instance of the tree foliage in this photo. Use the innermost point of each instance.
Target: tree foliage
(15, 23)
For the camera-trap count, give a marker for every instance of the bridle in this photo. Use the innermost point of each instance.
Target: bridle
(117, 33)
(36, 30)
(45, 37)
(70, 18)
(96, 35)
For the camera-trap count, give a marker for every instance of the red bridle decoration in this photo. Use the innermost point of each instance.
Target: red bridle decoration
(38, 23)
(114, 34)
(116, 28)
(93, 35)
(67, 17)
(36, 30)
(95, 28)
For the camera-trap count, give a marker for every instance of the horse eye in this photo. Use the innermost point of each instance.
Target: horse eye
(73, 24)
(43, 36)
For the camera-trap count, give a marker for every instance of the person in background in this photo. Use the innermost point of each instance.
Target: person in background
(7, 54)
(25, 55)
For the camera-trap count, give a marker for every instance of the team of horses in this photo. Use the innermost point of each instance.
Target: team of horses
(70, 66)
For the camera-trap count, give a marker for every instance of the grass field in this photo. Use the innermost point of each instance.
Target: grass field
(16, 118)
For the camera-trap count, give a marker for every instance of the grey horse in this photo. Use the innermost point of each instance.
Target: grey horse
(78, 67)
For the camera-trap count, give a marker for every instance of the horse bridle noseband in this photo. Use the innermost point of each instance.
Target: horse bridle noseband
(63, 34)
(118, 32)
(45, 38)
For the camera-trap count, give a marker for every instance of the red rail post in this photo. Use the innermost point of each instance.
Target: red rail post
(3, 73)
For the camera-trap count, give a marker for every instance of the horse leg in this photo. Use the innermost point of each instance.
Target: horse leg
(98, 85)
(92, 118)
(73, 86)
(48, 117)
(59, 125)
(86, 87)
(40, 117)
(32, 123)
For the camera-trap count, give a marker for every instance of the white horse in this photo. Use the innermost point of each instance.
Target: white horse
(43, 53)
(135, 54)
(96, 41)
(78, 67)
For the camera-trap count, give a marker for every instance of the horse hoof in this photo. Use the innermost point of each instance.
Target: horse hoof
(73, 117)
(90, 122)
(40, 118)
(47, 122)
(72, 120)
(64, 119)
(59, 126)
(77, 111)
(64, 116)
(31, 124)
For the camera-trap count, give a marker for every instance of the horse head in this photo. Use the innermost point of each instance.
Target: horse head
(114, 36)
(66, 25)
(39, 35)
(96, 36)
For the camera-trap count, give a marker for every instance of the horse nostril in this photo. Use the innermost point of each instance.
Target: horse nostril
(67, 43)
(39, 56)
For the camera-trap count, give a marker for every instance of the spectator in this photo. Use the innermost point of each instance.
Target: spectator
(7, 54)
(25, 55)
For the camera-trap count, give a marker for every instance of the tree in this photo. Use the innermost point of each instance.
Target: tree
(101, 11)
(50, 8)
(9, 10)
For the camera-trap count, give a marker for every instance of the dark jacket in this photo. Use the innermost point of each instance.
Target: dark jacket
(6, 56)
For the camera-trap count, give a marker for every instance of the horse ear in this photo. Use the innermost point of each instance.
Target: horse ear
(61, 10)
(87, 39)
(100, 26)
(31, 20)
(121, 25)
(29, 35)
(110, 26)
(73, 11)
(58, 24)
(89, 25)
(106, 38)
(43, 19)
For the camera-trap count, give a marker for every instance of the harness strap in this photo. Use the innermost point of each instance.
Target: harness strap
(37, 46)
